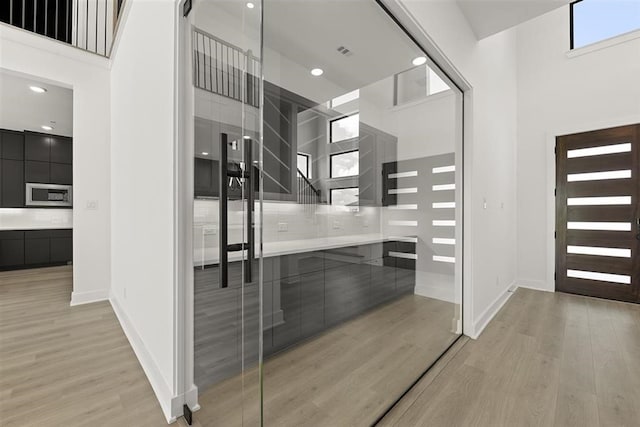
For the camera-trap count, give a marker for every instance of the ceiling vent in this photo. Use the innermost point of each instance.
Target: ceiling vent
(343, 50)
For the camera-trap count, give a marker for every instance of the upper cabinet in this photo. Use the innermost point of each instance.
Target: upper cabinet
(11, 145)
(11, 169)
(32, 157)
(47, 148)
(36, 147)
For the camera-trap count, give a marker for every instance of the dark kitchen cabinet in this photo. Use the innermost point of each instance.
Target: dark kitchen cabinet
(61, 150)
(11, 145)
(12, 183)
(35, 171)
(11, 249)
(61, 246)
(37, 147)
(37, 247)
(61, 173)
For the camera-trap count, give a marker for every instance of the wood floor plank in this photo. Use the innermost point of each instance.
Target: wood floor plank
(66, 366)
(546, 359)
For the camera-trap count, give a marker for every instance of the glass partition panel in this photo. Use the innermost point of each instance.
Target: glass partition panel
(362, 249)
(226, 69)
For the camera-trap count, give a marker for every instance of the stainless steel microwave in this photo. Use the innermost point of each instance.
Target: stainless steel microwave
(53, 195)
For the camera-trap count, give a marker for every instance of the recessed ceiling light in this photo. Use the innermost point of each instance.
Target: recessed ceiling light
(251, 5)
(37, 89)
(204, 153)
(45, 127)
(419, 60)
(317, 72)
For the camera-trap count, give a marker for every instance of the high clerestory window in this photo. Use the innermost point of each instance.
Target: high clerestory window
(596, 20)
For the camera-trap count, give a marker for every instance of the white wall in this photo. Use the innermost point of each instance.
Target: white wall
(557, 95)
(489, 67)
(88, 76)
(143, 108)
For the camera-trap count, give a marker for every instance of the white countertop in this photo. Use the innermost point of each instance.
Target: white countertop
(36, 227)
(272, 249)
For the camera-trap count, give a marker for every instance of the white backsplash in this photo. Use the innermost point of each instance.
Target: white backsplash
(283, 221)
(32, 218)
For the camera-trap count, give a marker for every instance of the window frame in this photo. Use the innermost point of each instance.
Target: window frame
(308, 156)
(332, 155)
(343, 188)
(331, 141)
(571, 28)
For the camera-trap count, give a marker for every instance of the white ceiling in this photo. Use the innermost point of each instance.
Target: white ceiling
(488, 17)
(22, 109)
(379, 48)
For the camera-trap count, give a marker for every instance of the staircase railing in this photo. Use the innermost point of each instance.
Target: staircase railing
(86, 24)
(225, 69)
(307, 193)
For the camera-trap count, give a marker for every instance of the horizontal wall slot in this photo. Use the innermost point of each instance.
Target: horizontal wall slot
(447, 259)
(404, 207)
(603, 277)
(598, 176)
(443, 241)
(444, 187)
(403, 174)
(443, 223)
(599, 226)
(597, 151)
(408, 190)
(402, 255)
(403, 223)
(444, 205)
(599, 201)
(404, 239)
(593, 250)
(444, 169)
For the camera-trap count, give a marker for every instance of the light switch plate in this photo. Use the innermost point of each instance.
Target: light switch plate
(283, 226)
(92, 205)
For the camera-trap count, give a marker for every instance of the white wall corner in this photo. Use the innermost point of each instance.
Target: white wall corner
(79, 298)
(171, 405)
(487, 315)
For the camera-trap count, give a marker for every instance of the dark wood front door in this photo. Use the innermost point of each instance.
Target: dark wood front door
(597, 213)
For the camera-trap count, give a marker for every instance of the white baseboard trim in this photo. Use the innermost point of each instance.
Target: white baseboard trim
(537, 285)
(164, 394)
(491, 311)
(79, 298)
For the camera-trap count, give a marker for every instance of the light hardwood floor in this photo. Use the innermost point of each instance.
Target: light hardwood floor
(66, 366)
(547, 359)
(348, 375)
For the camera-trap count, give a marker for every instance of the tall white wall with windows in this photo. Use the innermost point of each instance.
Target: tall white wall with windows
(562, 92)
